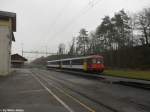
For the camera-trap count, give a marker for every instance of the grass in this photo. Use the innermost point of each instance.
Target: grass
(138, 74)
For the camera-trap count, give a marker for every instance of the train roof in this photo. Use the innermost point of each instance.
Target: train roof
(83, 57)
(53, 61)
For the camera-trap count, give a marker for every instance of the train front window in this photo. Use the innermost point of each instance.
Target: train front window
(93, 61)
(98, 61)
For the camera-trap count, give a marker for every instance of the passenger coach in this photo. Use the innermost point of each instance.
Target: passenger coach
(93, 63)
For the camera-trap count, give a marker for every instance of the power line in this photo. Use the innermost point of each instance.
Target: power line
(58, 16)
(92, 4)
(80, 11)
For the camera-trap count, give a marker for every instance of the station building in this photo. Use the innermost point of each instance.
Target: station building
(17, 61)
(7, 27)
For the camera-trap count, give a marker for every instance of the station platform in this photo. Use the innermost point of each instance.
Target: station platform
(20, 92)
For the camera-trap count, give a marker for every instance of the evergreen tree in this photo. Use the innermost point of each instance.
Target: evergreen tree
(82, 42)
(122, 29)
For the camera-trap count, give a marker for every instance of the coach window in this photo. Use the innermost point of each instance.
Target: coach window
(54, 63)
(57, 62)
(70, 62)
(66, 62)
(77, 62)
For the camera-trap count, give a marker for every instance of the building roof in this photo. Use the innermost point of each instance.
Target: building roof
(6, 15)
(17, 57)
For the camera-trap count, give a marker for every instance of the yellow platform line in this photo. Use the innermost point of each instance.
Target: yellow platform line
(63, 91)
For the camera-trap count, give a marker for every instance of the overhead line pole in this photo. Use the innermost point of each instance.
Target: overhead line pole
(22, 49)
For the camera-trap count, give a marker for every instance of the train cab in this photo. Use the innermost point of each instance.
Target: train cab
(95, 63)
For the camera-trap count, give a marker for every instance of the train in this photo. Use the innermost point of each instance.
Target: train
(92, 63)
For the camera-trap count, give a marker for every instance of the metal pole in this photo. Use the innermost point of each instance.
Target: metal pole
(22, 48)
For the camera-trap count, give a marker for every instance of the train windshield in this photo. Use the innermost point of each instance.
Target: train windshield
(94, 61)
(97, 60)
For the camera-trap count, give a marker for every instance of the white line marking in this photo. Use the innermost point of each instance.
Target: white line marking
(56, 97)
(63, 91)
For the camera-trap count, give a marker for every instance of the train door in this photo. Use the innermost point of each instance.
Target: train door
(85, 65)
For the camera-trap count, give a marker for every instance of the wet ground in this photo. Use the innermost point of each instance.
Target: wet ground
(35, 90)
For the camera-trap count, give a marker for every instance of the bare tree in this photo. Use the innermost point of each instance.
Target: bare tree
(82, 42)
(61, 49)
(72, 48)
(143, 24)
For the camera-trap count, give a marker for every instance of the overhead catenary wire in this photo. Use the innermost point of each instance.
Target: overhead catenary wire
(82, 12)
(57, 17)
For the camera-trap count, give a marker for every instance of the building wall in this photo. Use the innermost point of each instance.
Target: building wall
(5, 47)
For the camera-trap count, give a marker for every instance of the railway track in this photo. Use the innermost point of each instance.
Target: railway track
(78, 90)
(59, 82)
(136, 83)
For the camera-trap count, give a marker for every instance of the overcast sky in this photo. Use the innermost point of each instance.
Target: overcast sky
(42, 23)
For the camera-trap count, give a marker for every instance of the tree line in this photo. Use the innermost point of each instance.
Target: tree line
(113, 33)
